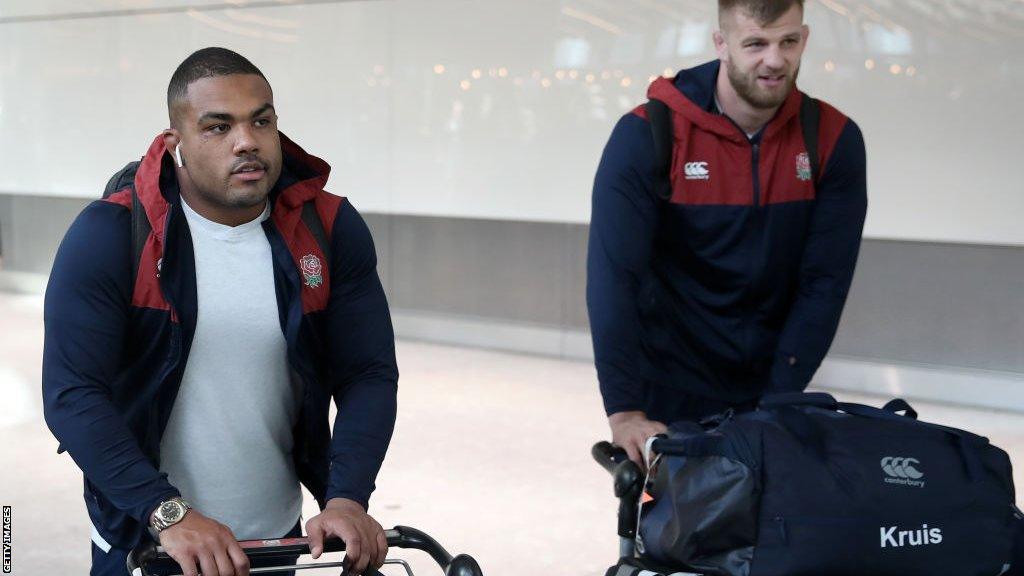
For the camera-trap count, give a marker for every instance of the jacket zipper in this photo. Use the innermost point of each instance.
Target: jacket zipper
(755, 158)
(754, 161)
(177, 345)
(278, 246)
(281, 255)
(174, 356)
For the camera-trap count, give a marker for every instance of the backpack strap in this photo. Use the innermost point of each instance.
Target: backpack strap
(660, 119)
(141, 228)
(125, 178)
(140, 233)
(810, 119)
(316, 227)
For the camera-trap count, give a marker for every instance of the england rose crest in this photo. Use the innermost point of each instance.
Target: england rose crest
(311, 270)
(803, 166)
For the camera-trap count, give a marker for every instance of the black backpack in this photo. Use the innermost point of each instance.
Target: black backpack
(660, 118)
(125, 178)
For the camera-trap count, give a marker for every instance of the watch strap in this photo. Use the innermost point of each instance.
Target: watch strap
(159, 523)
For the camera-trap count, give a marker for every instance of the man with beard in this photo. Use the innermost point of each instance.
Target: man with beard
(726, 279)
(191, 380)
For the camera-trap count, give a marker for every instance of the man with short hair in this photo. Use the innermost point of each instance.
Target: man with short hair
(194, 395)
(730, 284)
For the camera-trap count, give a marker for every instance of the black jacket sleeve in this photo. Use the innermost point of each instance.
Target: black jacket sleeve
(361, 346)
(623, 220)
(85, 318)
(826, 266)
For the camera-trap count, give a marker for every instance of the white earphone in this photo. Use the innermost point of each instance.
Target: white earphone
(177, 156)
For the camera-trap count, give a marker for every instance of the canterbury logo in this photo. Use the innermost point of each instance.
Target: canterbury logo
(902, 471)
(696, 171)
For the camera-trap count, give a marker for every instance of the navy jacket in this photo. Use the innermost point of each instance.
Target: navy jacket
(733, 286)
(115, 350)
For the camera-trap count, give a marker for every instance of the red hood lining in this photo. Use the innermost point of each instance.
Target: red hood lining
(313, 173)
(664, 89)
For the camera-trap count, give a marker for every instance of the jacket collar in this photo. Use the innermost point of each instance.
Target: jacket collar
(691, 94)
(302, 176)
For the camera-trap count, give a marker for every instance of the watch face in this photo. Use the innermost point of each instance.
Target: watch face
(171, 511)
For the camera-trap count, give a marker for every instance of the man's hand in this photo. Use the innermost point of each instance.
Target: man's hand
(208, 543)
(630, 431)
(365, 543)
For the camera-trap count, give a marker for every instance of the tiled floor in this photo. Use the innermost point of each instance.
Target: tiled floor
(490, 456)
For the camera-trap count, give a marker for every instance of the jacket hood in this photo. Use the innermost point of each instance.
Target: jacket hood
(302, 176)
(691, 95)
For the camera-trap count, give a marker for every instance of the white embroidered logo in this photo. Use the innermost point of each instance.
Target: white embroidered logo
(893, 537)
(696, 171)
(902, 471)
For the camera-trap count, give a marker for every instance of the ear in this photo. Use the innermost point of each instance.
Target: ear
(720, 47)
(171, 139)
(806, 32)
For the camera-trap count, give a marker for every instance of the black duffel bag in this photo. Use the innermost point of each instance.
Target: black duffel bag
(808, 486)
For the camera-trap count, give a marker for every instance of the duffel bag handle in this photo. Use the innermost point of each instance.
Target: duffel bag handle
(828, 402)
(780, 399)
(967, 442)
(898, 405)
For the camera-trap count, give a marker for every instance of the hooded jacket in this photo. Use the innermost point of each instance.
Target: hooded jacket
(115, 348)
(734, 285)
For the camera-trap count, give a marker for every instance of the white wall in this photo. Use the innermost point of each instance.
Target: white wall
(82, 88)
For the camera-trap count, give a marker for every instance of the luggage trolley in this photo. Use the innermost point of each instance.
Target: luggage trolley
(150, 559)
(628, 485)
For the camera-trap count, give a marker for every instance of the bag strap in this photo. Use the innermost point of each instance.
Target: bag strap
(898, 405)
(810, 119)
(141, 228)
(785, 404)
(125, 178)
(966, 442)
(660, 118)
(827, 401)
(121, 179)
(140, 233)
(891, 411)
(316, 227)
(779, 399)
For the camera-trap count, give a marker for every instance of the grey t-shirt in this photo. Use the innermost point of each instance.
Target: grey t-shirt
(228, 444)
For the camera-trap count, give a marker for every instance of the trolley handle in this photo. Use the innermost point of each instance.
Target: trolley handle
(608, 455)
(611, 457)
(150, 555)
(627, 475)
(628, 483)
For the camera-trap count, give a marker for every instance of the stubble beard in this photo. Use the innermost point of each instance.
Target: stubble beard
(248, 197)
(746, 87)
(231, 197)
